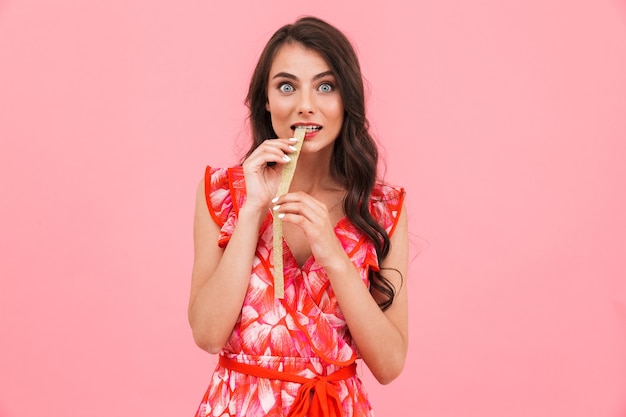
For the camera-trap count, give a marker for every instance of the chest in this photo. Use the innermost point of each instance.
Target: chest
(296, 238)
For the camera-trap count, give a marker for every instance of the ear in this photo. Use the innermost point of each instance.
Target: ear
(267, 106)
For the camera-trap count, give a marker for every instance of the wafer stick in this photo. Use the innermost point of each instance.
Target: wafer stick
(283, 187)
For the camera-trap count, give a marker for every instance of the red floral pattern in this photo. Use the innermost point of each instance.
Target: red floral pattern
(305, 333)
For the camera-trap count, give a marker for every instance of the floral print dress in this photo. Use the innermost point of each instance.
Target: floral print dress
(304, 334)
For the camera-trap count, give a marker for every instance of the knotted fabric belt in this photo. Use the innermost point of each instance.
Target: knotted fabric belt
(316, 397)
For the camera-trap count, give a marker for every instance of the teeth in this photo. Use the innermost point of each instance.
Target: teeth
(312, 128)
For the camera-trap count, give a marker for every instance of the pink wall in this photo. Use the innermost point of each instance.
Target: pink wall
(505, 120)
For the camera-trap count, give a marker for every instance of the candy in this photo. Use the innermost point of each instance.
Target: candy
(283, 187)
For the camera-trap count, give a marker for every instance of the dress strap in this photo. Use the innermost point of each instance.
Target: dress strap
(316, 397)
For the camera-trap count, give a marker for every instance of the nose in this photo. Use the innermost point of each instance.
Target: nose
(306, 103)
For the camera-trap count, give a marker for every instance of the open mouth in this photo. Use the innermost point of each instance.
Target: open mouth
(309, 129)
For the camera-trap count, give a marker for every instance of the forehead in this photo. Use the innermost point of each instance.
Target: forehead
(294, 58)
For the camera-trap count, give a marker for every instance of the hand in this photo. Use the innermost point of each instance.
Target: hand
(313, 217)
(262, 180)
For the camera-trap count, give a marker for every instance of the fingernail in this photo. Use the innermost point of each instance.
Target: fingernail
(275, 199)
(293, 148)
(293, 139)
(281, 215)
(276, 207)
(286, 158)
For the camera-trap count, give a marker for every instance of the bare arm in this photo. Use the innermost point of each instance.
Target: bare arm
(381, 337)
(220, 277)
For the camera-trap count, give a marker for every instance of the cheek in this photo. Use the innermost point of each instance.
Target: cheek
(337, 111)
(276, 106)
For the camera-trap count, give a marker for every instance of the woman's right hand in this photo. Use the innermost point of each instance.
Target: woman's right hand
(262, 180)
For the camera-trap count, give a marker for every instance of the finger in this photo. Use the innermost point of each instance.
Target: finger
(310, 213)
(285, 145)
(302, 197)
(283, 151)
(263, 156)
(296, 219)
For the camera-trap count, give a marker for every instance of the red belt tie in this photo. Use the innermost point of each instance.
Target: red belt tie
(316, 397)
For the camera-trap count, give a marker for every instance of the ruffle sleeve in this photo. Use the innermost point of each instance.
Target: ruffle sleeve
(224, 190)
(385, 206)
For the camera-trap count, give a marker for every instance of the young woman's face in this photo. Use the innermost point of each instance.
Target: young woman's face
(302, 91)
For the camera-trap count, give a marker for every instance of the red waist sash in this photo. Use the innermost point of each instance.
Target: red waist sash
(316, 397)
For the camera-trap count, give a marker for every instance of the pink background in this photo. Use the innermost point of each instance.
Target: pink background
(505, 121)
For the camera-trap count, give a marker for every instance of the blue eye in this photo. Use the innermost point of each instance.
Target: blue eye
(286, 88)
(326, 88)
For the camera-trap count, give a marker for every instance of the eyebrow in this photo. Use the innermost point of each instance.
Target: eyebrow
(293, 77)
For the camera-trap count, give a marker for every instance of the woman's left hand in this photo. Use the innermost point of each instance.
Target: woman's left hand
(313, 218)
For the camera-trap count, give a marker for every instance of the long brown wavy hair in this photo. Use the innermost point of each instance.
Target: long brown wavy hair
(355, 155)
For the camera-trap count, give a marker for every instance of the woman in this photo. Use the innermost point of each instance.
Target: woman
(345, 244)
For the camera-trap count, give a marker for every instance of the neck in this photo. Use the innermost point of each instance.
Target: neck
(313, 175)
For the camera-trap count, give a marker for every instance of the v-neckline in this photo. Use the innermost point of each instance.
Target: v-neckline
(310, 259)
